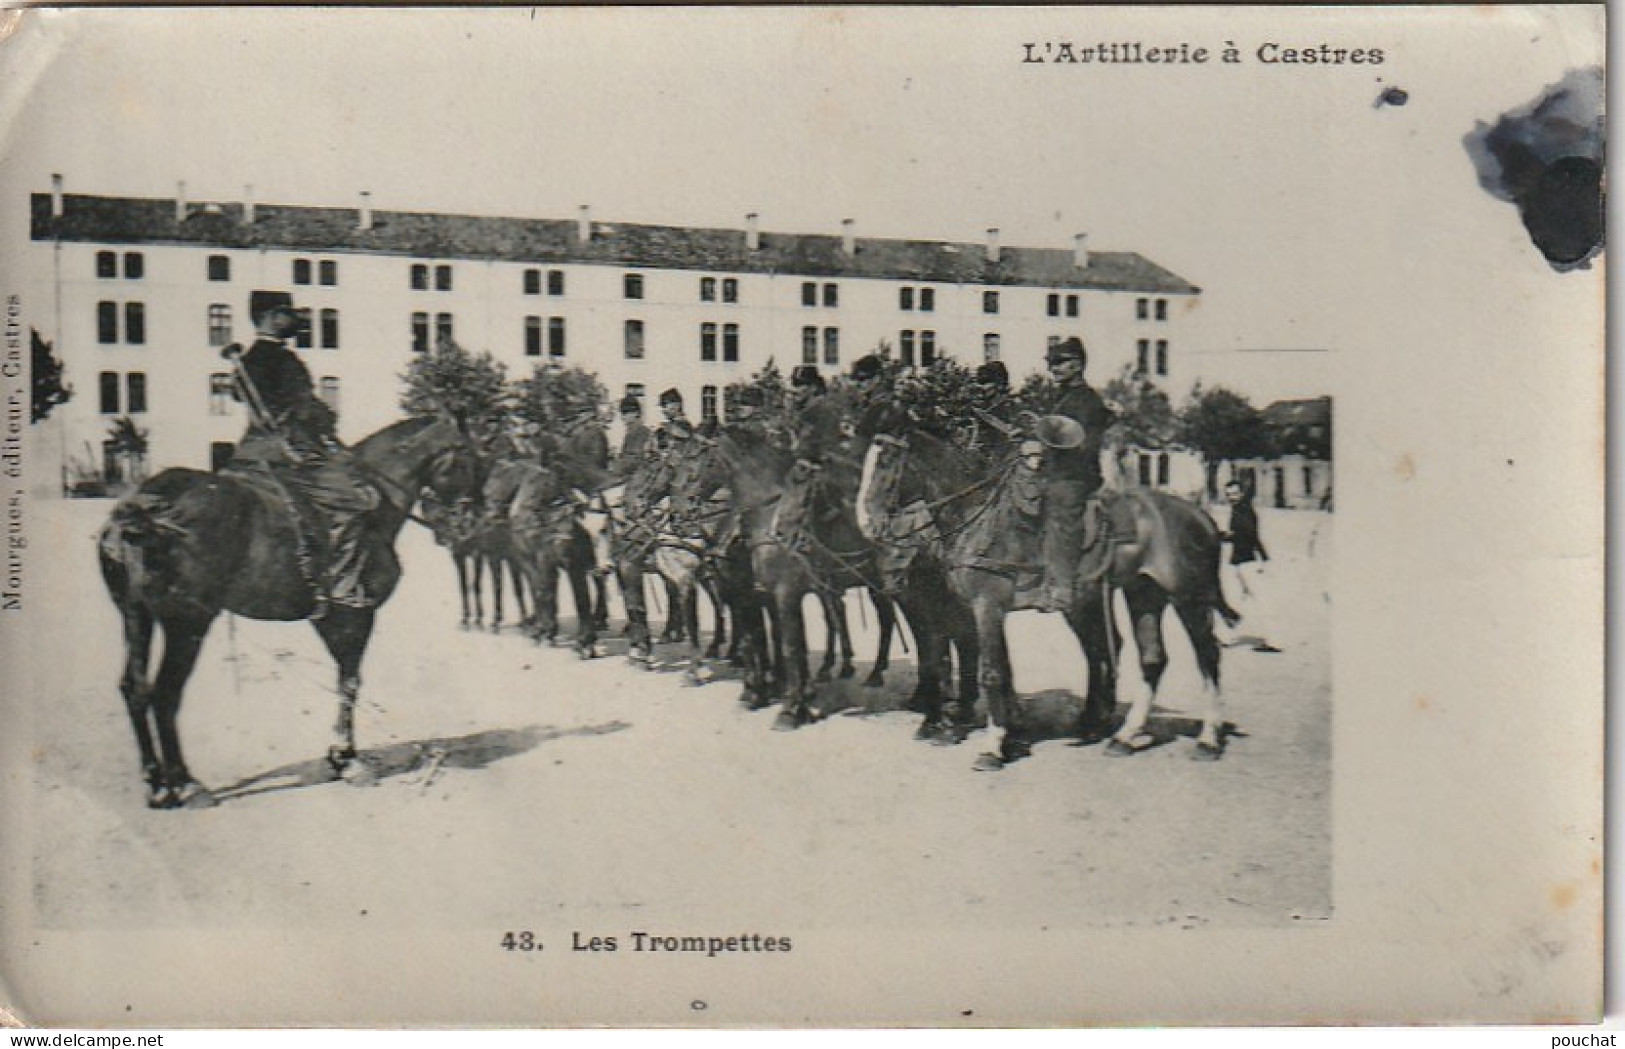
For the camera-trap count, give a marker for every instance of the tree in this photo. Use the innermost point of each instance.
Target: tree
(1143, 416)
(472, 389)
(769, 380)
(1219, 425)
(126, 445)
(556, 398)
(49, 390)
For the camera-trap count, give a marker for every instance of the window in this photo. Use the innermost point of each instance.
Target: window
(301, 271)
(442, 328)
(1071, 305)
(110, 391)
(632, 285)
(708, 342)
(219, 267)
(990, 302)
(1142, 309)
(134, 265)
(730, 290)
(730, 342)
(1142, 356)
(1162, 356)
(135, 323)
(1162, 469)
(136, 387)
(928, 348)
(1162, 309)
(832, 346)
(533, 282)
(420, 277)
(442, 278)
(905, 298)
(328, 390)
(533, 336)
(328, 272)
(809, 345)
(107, 322)
(905, 348)
(831, 295)
(928, 299)
(634, 340)
(555, 282)
(220, 453)
(219, 324)
(555, 336)
(330, 329)
(708, 403)
(420, 332)
(990, 346)
(106, 265)
(1145, 469)
(708, 289)
(1308, 480)
(634, 389)
(302, 338)
(220, 386)
(809, 293)
(1053, 305)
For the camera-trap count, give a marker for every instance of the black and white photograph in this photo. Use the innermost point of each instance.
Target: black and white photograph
(801, 516)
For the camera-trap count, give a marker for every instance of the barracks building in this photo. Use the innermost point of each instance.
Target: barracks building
(143, 293)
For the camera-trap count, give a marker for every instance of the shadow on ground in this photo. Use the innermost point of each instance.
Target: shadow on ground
(420, 760)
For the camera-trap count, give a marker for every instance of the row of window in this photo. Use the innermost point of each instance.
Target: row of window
(134, 387)
(134, 328)
(1145, 362)
(1143, 309)
(107, 268)
(810, 342)
(221, 385)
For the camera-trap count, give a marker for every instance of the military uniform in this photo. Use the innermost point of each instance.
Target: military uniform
(293, 432)
(1072, 478)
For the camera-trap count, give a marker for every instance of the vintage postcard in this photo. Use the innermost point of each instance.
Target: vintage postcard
(768, 516)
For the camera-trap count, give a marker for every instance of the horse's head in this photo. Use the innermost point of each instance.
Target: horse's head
(697, 474)
(880, 484)
(595, 515)
(424, 451)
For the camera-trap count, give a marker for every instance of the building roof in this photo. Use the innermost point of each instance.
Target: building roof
(1314, 411)
(133, 220)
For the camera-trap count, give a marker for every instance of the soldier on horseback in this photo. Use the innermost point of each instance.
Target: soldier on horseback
(1072, 431)
(292, 434)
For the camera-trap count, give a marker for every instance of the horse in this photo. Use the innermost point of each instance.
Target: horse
(548, 538)
(919, 490)
(754, 473)
(819, 510)
(477, 545)
(188, 545)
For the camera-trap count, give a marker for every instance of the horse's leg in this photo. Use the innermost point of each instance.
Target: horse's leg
(1092, 621)
(546, 576)
(886, 614)
(719, 619)
(600, 607)
(137, 691)
(673, 630)
(990, 605)
(183, 639)
(637, 613)
(517, 579)
(691, 630)
(1146, 602)
(843, 631)
(345, 632)
(1198, 620)
(461, 563)
(834, 621)
(586, 621)
(478, 560)
(793, 629)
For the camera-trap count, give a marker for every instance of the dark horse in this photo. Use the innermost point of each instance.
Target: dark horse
(189, 545)
(548, 539)
(755, 476)
(920, 491)
(817, 514)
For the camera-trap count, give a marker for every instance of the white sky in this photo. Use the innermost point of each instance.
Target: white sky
(1283, 192)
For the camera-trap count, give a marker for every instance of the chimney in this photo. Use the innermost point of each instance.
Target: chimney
(56, 196)
(248, 205)
(584, 224)
(849, 243)
(1080, 251)
(993, 244)
(753, 236)
(180, 202)
(365, 220)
